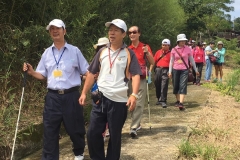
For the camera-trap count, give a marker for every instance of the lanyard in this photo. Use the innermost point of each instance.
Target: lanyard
(57, 62)
(111, 63)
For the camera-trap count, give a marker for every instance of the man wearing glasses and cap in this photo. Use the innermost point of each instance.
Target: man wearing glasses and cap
(162, 60)
(114, 67)
(61, 65)
(143, 53)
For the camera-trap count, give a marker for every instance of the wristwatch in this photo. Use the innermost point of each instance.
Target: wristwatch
(135, 95)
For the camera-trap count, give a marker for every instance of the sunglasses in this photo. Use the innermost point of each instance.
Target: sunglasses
(133, 32)
(164, 45)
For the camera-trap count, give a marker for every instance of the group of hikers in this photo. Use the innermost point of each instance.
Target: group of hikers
(116, 78)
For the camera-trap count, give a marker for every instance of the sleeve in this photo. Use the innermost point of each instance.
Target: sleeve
(41, 67)
(193, 63)
(222, 52)
(149, 49)
(156, 56)
(134, 67)
(171, 62)
(82, 62)
(95, 65)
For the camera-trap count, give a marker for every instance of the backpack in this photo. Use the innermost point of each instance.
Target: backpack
(198, 57)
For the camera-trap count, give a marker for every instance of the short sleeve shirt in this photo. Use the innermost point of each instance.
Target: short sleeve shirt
(208, 48)
(165, 60)
(185, 52)
(139, 52)
(114, 85)
(71, 63)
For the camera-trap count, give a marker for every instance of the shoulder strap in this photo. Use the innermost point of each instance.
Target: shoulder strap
(181, 58)
(162, 56)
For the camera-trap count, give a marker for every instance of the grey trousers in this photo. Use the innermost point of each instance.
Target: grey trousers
(161, 83)
(136, 114)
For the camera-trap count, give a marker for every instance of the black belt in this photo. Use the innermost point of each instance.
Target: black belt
(64, 91)
(163, 67)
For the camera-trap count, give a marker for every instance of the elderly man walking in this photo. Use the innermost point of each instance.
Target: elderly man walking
(115, 63)
(143, 53)
(162, 60)
(61, 65)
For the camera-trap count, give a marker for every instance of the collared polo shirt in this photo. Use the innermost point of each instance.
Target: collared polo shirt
(164, 61)
(185, 52)
(114, 85)
(72, 63)
(139, 52)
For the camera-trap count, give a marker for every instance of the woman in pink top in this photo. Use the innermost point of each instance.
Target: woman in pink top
(179, 67)
(199, 58)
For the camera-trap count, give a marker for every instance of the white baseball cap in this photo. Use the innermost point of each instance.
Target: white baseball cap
(101, 41)
(166, 41)
(117, 22)
(57, 23)
(181, 37)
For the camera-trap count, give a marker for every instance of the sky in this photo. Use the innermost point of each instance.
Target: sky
(236, 12)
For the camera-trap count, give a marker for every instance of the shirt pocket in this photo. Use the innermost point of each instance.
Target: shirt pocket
(67, 65)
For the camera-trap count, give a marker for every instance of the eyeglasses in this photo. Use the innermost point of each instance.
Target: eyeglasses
(133, 32)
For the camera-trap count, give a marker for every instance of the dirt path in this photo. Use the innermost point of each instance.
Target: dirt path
(169, 127)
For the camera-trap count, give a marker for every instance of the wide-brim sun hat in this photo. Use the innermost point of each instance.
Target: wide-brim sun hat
(101, 41)
(220, 42)
(57, 23)
(119, 23)
(181, 37)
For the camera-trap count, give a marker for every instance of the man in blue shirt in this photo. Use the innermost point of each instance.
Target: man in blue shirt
(61, 65)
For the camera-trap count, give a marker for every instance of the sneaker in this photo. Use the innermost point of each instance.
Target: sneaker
(80, 157)
(158, 103)
(133, 133)
(181, 107)
(139, 127)
(164, 105)
(177, 103)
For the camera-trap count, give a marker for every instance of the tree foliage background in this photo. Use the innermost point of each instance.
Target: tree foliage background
(24, 37)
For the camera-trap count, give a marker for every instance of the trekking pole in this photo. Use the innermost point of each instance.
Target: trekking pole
(19, 112)
(149, 114)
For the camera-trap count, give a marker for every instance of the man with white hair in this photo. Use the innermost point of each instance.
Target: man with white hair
(162, 60)
(61, 65)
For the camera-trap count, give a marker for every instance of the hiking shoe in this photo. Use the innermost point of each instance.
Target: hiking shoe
(133, 133)
(164, 105)
(80, 157)
(177, 103)
(138, 128)
(181, 107)
(158, 103)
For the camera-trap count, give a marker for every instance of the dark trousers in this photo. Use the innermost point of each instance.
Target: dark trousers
(113, 113)
(180, 80)
(62, 108)
(197, 79)
(161, 83)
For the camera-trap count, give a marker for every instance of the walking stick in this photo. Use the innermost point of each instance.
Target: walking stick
(19, 112)
(149, 114)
